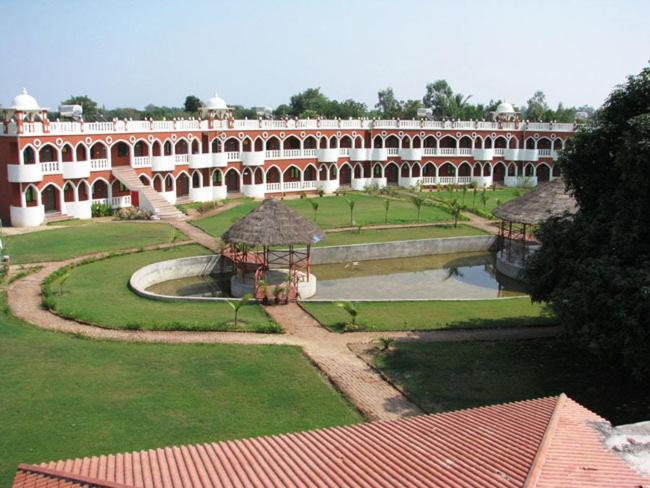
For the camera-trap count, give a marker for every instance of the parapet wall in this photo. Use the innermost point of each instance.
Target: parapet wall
(402, 249)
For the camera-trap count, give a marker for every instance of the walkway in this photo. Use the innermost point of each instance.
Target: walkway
(331, 352)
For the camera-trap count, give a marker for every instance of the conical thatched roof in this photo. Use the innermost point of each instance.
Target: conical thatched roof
(547, 200)
(272, 224)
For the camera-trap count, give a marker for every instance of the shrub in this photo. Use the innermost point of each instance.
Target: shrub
(133, 213)
(98, 209)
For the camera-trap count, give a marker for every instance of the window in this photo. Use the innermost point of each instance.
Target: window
(122, 150)
(122, 187)
(30, 195)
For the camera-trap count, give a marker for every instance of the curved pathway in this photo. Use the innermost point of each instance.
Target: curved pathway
(365, 387)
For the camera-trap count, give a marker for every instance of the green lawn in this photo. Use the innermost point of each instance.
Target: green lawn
(454, 375)
(65, 397)
(59, 244)
(97, 293)
(333, 211)
(494, 197)
(397, 234)
(434, 314)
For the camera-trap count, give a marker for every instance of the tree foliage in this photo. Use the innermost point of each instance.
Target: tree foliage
(594, 269)
(192, 104)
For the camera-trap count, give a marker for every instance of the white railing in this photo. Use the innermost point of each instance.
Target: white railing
(36, 128)
(392, 151)
(447, 151)
(544, 152)
(141, 161)
(181, 158)
(499, 151)
(428, 180)
(430, 151)
(51, 168)
(291, 186)
(310, 153)
(446, 180)
(464, 180)
(292, 153)
(273, 154)
(233, 156)
(465, 151)
(115, 202)
(99, 164)
(344, 151)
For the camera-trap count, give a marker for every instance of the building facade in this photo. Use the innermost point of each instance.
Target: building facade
(63, 167)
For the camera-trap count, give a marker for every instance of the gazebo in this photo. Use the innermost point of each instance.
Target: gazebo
(270, 249)
(520, 216)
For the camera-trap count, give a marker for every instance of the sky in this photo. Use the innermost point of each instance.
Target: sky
(132, 53)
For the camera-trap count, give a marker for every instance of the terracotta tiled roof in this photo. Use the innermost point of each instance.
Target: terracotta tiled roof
(544, 442)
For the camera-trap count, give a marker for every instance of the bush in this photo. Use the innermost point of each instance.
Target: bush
(133, 213)
(98, 209)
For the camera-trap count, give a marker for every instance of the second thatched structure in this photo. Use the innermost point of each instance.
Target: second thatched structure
(272, 241)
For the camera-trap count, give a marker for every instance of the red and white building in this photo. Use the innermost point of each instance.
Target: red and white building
(62, 167)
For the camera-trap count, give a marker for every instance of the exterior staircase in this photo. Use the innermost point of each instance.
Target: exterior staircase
(149, 198)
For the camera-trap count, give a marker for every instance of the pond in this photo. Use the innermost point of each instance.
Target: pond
(448, 276)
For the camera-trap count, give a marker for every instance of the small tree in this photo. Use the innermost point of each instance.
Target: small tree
(352, 311)
(314, 205)
(351, 203)
(453, 207)
(474, 197)
(484, 198)
(236, 305)
(418, 201)
(386, 208)
(464, 193)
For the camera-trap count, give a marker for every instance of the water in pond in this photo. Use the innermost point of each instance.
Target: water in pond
(216, 285)
(449, 276)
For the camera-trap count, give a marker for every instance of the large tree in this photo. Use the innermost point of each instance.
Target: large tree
(443, 102)
(594, 269)
(192, 104)
(537, 108)
(90, 111)
(387, 105)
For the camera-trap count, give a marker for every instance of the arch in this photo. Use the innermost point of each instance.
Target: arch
(232, 178)
(406, 141)
(310, 142)
(447, 169)
(417, 142)
(405, 170)
(529, 170)
(500, 143)
(378, 142)
(358, 171)
(512, 169)
(558, 144)
(81, 152)
(448, 142)
(430, 142)
(216, 177)
(121, 153)
(429, 169)
(345, 142)
(258, 144)
(544, 143)
(478, 142)
(158, 183)
(140, 148)
(465, 142)
(555, 171)
(246, 144)
(197, 179)
(273, 144)
(477, 170)
(195, 146)
(377, 170)
(416, 169)
(543, 172)
(499, 172)
(118, 189)
(345, 174)
(156, 148)
(31, 196)
(216, 145)
(513, 143)
(247, 176)
(83, 191)
(530, 143)
(51, 198)
(310, 173)
(464, 169)
(258, 176)
(169, 182)
(99, 150)
(291, 173)
(67, 153)
(231, 145)
(69, 192)
(391, 171)
(292, 142)
(145, 180)
(181, 146)
(392, 141)
(100, 189)
(333, 142)
(48, 153)
(273, 174)
(487, 143)
(358, 142)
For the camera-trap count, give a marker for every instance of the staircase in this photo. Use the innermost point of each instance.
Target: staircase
(161, 207)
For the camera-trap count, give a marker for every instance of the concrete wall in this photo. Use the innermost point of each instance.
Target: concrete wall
(402, 249)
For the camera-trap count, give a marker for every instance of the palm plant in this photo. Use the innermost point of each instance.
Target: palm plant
(418, 201)
(236, 305)
(351, 203)
(454, 208)
(386, 207)
(464, 193)
(352, 311)
(484, 198)
(314, 205)
(474, 197)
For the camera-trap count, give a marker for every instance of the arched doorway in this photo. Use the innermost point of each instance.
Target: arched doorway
(499, 174)
(392, 174)
(543, 173)
(182, 185)
(232, 181)
(50, 199)
(345, 175)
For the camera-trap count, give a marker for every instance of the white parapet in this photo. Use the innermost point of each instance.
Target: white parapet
(219, 160)
(254, 191)
(27, 216)
(162, 163)
(24, 173)
(409, 181)
(360, 183)
(328, 155)
(328, 186)
(78, 210)
(412, 154)
(75, 170)
(483, 154)
(525, 181)
(359, 154)
(198, 161)
(521, 154)
(379, 154)
(377, 182)
(219, 192)
(203, 194)
(252, 158)
(482, 181)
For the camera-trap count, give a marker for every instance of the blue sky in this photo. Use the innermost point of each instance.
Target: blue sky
(131, 53)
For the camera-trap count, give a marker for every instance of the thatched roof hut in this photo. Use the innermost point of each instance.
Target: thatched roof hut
(273, 224)
(547, 200)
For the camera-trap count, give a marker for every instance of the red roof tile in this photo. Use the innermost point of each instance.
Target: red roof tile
(544, 442)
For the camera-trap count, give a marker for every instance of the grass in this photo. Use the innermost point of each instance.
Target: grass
(60, 244)
(66, 397)
(502, 194)
(334, 212)
(455, 375)
(97, 293)
(397, 234)
(434, 314)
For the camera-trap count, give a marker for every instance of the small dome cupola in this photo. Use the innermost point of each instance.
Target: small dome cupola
(216, 103)
(505, 108)
(24, 102)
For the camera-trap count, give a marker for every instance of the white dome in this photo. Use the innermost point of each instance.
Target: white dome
(505, 108)
(25, 102)
(216, 103)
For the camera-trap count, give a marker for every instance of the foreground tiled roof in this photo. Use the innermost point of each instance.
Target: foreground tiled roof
(545, 442)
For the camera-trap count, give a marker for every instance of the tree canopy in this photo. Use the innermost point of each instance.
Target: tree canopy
(594, 269)
(192, 104)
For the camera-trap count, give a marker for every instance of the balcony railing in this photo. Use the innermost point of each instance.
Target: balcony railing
(142, 161)
(291, 186)
(99, 164)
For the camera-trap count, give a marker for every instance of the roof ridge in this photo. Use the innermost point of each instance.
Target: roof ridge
(549, 433)
(65, 475)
